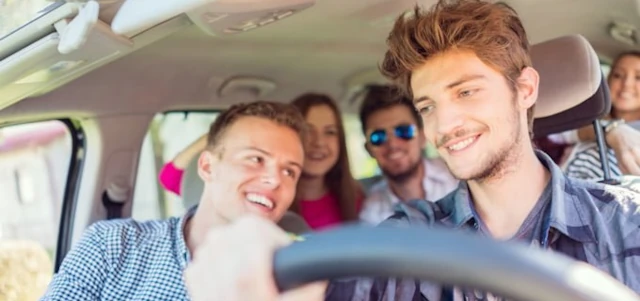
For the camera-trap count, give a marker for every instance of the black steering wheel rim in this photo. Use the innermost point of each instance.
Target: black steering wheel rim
(444, 257)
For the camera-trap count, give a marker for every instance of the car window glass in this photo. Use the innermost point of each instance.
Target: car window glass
(34, 163)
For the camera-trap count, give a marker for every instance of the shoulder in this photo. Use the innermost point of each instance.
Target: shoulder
(627, 191)
(120, 234)
(422, 212)
(377, 192)
(611, 202)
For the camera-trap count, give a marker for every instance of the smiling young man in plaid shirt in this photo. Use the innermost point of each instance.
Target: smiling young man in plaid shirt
(251, 166)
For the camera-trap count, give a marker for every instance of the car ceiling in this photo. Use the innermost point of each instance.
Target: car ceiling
(321, 49)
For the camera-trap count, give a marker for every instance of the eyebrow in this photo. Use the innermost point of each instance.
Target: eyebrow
(460, 81)
(271, 155)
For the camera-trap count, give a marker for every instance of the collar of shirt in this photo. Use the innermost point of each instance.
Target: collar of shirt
(180, 241)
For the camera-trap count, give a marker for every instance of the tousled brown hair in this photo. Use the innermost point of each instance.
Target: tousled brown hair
(493, 31)
(280, 113)
(339, 179)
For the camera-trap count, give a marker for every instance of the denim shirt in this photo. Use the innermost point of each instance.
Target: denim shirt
(591, 222)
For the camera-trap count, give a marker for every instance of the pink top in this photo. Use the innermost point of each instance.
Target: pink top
(324, 212)
(171, 178)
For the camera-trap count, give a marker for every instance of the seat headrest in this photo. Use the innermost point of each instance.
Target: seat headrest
(569, 73)
(597, 106)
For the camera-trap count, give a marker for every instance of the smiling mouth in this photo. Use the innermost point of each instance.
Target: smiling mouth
(260, 200)
(396, 155)
(316, 156)
(627, 95)
(463, 144)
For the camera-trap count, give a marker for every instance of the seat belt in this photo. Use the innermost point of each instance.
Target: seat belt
(113, 199)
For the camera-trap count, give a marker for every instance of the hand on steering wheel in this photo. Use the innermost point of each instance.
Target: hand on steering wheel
(236, 262)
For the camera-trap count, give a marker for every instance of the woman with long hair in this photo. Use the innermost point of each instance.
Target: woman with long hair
(624, 87)
(327, 194)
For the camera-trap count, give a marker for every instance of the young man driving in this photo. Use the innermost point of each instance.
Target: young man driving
(251, 165)
(466, 65)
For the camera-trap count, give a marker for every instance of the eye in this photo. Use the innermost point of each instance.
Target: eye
(290, 173)
(425, 109)
(466, 93)
(256, 159)
(331, 132)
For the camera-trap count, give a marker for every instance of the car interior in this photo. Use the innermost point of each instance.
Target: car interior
(98, 94)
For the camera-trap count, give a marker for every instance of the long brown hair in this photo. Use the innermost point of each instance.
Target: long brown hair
(339, 179)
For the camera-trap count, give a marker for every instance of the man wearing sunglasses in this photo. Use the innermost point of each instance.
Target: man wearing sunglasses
(394, 133)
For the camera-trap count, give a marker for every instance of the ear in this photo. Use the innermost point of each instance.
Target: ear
(527, 86)
(206, 163)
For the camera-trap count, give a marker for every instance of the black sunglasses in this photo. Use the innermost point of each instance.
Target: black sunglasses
(405, 132)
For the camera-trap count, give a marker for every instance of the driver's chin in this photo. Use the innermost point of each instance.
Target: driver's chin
(467, 171)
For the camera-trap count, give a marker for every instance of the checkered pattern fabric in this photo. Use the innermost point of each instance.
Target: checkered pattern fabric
(125, 260)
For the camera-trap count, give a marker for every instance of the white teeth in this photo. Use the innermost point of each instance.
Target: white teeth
(316, 156)
(627, 95)
(260, 199)
(462, 144)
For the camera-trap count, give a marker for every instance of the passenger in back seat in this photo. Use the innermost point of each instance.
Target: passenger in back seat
(624, 157)
(395, 138)
(327, 194)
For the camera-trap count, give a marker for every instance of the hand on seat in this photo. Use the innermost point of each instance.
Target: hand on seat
(625, 142)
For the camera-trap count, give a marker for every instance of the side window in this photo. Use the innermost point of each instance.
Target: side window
(34, 162)
(169, 134)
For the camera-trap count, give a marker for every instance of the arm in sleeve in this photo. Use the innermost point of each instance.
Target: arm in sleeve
(83, 271)
(171, 178)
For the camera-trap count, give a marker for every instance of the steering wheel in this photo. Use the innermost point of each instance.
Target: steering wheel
(445, 257)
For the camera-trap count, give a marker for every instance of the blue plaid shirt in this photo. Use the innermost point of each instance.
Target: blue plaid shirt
(125, 260)
(588, 221)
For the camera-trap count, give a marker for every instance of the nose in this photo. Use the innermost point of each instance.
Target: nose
(271, 178)
(629, 82)
(394, 142)
(448, 117)
(316, 138)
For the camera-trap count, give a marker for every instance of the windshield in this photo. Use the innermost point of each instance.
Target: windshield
(17, 13)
